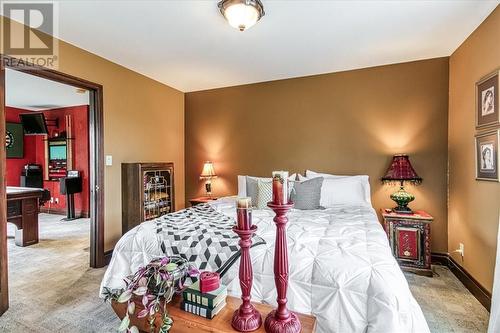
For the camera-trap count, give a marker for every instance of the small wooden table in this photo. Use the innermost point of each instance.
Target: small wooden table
(200, 200)
(410, 239)
(22, 210)
(185, 322)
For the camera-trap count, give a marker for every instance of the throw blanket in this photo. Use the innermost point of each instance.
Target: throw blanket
(201, 235)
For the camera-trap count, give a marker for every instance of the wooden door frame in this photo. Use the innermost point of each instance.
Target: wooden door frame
(96, 140)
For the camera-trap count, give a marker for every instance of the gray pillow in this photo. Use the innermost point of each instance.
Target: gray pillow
(265, 193)
(307, 194)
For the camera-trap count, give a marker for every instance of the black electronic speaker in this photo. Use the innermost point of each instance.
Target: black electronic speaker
(32, 176)
(69, 186)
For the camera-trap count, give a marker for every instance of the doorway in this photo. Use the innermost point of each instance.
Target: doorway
(96, 163)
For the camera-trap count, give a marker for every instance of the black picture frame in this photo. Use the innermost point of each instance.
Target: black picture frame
(487, 100)
(487, 158)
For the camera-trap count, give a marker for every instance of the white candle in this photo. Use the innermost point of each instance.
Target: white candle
(280, 186)
(244, 202)
(244, 213)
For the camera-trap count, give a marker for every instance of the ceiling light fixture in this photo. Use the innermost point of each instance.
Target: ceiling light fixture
(241, 14)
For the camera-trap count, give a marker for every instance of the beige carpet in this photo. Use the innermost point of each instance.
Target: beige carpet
(53, 290)
(447, 305)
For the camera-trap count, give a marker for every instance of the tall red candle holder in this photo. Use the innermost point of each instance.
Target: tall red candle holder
(246, 318)
(281, 320)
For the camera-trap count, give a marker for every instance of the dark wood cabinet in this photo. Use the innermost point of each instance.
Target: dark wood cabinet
(147, 192)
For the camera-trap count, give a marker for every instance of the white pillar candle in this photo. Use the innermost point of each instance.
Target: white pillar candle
(280, 184)
(244, 202)
(244, 213)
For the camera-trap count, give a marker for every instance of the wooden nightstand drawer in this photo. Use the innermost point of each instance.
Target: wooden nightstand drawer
(410, 239)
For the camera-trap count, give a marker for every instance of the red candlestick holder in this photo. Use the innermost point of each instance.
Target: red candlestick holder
(246, 318)
(281, 320)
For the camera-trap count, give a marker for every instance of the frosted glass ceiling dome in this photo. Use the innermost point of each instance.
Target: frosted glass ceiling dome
(241, 14)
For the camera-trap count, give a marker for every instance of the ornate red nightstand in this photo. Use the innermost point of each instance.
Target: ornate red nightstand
(410, 239)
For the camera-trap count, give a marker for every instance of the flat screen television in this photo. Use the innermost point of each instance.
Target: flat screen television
(57, 152)
(33, 123)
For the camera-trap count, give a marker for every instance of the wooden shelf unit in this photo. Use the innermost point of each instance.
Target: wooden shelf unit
(147, 192)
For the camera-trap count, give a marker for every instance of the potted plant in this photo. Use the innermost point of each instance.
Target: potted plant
(148, 292)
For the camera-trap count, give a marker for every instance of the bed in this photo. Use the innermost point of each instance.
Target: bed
(341, 268)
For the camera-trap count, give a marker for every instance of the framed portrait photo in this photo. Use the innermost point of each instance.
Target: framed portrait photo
(487, 156)
(487, 108)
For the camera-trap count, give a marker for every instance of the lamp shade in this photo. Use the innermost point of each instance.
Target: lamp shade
(208, 171)
(401, 170)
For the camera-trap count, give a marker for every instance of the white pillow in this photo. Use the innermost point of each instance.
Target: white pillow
(313, 174)
(242, 186)
(302, 178)
(350, 190)
(242, 183)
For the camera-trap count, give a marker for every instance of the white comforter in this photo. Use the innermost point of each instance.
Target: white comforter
(341, 269)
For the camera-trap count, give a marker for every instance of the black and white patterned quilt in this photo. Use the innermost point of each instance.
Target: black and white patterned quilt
(201, 235)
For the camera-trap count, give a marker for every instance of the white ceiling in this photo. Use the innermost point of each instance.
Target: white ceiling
(30, 92)
(188, 45)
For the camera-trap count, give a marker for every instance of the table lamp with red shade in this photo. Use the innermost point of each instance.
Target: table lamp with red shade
(208, 173)
(401, 171)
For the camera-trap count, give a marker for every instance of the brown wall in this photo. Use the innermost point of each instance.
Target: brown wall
(143, 121)
(473, 205)
(346, 123)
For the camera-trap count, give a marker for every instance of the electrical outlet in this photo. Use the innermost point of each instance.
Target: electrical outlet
(57, 200)
(461, 249)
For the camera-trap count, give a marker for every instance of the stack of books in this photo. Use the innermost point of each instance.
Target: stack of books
(206, 304)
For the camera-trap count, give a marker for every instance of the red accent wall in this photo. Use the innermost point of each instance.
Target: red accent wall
(34, 152)
(15, 165)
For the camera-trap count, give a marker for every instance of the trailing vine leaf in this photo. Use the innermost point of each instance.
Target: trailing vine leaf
(143, 282)
(141, 291)
(125, 296)
(165, 328)
(124, 324)
(170, 267)
(155, 283)
(131, 308)
(142, 313)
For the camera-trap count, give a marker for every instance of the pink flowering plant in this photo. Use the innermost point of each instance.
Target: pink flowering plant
(155, 285)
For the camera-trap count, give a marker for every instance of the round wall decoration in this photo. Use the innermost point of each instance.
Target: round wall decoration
(9, 139)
